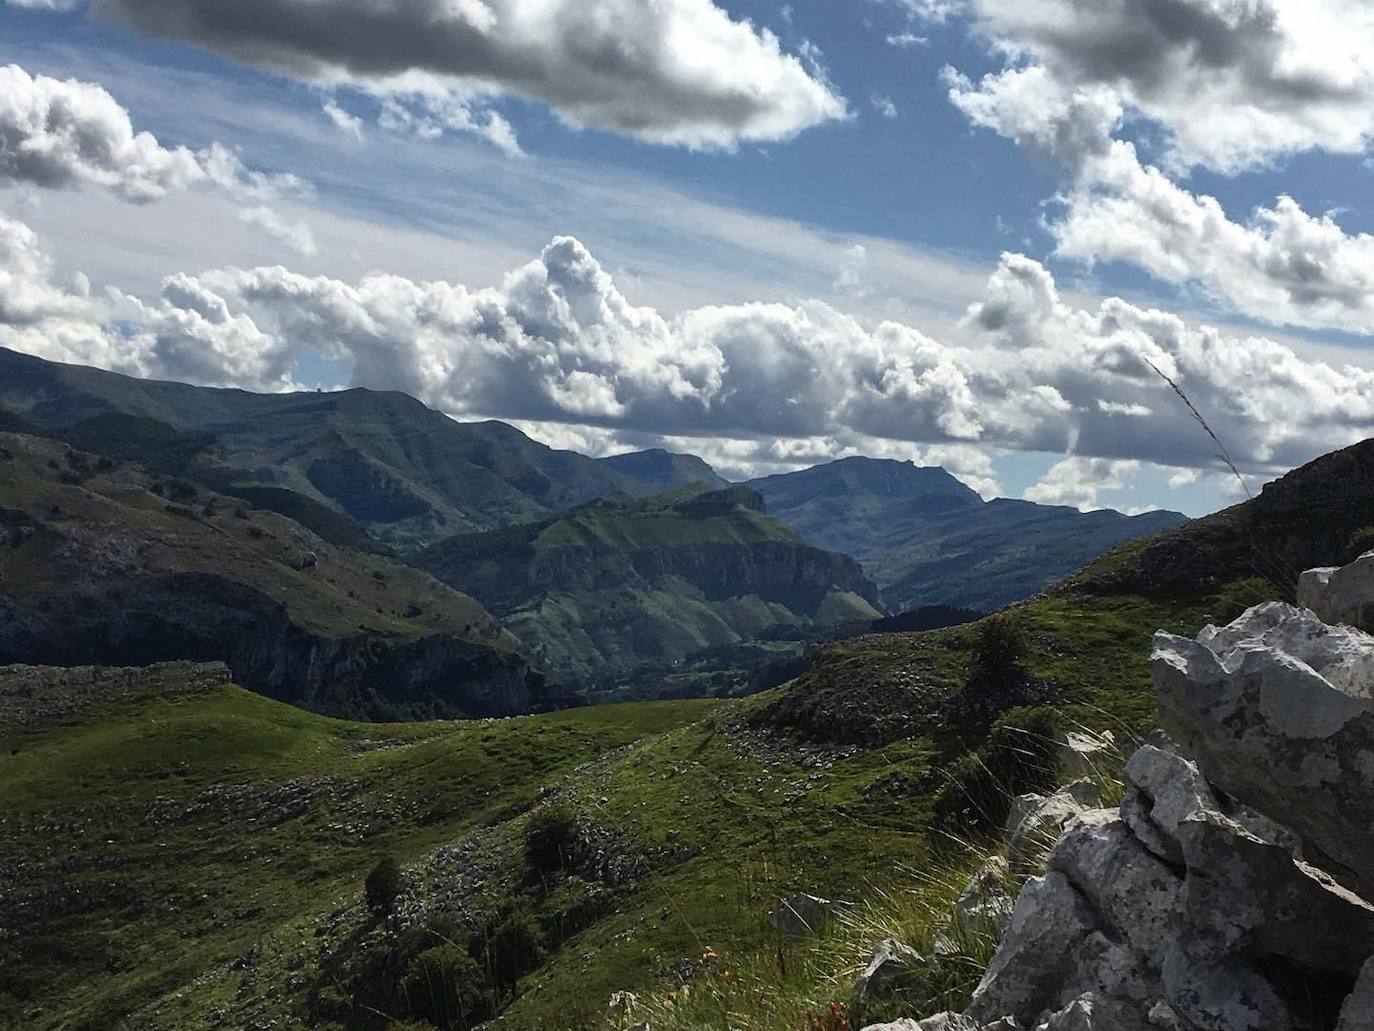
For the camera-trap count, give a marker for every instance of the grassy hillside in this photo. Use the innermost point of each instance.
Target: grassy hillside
(162, 825)
(106, 563)
(625, 583)
(927, 539)
(407, 473)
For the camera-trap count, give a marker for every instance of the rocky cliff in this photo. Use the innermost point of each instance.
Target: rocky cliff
(624, 581)
(102, 563)
(1233, 889)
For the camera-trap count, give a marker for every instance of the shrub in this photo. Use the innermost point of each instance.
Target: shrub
(1000, 648)
(551, 839)
(1361, 540)
(383, 887)
(514, 946)
(446, 986)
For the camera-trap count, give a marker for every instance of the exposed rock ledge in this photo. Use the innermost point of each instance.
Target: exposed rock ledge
(1233, 889)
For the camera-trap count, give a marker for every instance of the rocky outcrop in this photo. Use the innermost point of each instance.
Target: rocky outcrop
(1231, 890)
(203, 618)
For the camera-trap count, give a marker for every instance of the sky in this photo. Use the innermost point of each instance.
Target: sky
(1006, 239)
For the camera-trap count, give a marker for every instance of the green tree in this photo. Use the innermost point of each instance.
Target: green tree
(446, 986)
(383, 887)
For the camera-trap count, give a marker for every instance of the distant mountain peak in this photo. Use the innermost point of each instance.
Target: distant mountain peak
(660, 469)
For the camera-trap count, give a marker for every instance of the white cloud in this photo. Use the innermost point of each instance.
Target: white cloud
(679, 72)
(1232, 83)
(295, 235)
(936, 11)
(63, 134)
(347, 123)
(431, 114)
(1076, 482)
(883, 105)
(907, 40)
(556, 342)
(1283, 266)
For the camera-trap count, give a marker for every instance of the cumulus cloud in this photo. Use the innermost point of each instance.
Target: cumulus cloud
(1184, 66)
(62, 134)
(1076, 482)
(188, 333)
(674, 72)
(555, 342)
(1232, 83)
(1285, 266)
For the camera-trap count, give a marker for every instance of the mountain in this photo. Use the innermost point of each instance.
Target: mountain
(103, 562)
(927, 539)
(623, 581)
(660, 470)
(180, 853)
(405, 473)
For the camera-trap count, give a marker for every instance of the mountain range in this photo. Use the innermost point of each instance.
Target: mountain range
(928, 539)
(635, 575)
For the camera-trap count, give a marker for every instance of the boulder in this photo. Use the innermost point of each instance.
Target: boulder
(1358, 1012)
(1084, 753)
(1025, 977)
(1035, 825)
(891, 963)
(1091, 1012)
(1342, 595)
(985, 905)
(1134, 893)
(1276, 710)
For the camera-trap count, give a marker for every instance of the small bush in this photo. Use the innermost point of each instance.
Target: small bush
(514, 946)
(1018, 757)
(1361, 541)
(383, 887)
(1000, 648)
(551, 840)
(446, 986)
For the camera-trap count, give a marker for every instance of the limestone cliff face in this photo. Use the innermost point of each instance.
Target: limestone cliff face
(204, 618)
(734, 570)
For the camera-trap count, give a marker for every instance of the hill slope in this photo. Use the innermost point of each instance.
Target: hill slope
(625, 582)
(927, 539)
(407, 473)
(103, 562)
(684, 824)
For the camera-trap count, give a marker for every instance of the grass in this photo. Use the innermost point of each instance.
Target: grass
(158, 839)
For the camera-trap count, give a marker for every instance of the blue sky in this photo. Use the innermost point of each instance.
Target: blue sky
(777, 248)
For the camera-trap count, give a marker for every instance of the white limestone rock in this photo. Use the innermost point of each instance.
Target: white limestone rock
(1083, 753)
(1343, 595)
(1277, 711)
